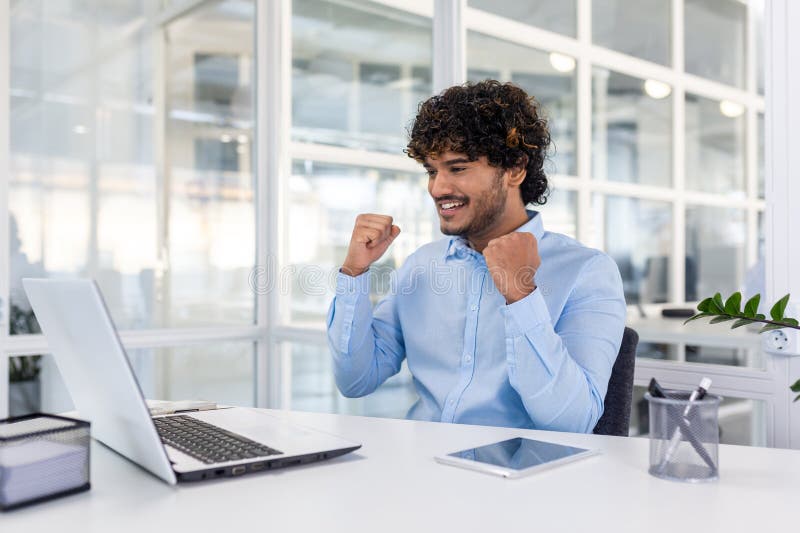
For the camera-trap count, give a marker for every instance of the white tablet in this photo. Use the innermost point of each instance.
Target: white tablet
(515, 457)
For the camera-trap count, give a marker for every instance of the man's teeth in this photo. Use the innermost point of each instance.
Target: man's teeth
(451, 205)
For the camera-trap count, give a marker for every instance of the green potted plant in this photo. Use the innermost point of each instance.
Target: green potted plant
(730, 310)
(23, 372)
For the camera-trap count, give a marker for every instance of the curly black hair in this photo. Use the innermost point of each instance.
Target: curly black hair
(487, 118)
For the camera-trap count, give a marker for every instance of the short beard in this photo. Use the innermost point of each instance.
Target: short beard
(488, 210)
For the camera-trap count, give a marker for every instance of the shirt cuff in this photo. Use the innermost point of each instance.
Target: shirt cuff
(349, 285)
(525, 314)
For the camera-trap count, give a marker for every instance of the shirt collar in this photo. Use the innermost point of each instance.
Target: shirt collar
(458, 246)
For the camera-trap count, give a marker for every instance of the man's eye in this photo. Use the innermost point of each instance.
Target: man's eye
(431, 173)
(458, 169)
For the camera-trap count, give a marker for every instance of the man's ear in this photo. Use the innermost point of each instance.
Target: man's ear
(517, 173)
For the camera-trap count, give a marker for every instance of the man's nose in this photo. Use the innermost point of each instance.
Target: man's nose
(440, 185)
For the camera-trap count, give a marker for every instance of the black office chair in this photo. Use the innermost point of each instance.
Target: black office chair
(616, 417)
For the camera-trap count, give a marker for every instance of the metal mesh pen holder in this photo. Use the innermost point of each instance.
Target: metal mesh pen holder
(684, 437)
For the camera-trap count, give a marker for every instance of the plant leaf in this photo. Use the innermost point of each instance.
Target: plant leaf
(698, 315)
(705, 306)
(796, 386)
(717, 301)
(778, 309)
(733, 304)
(797, 397)
(751, 307)
(770, 327)
(741, 322)
(759, 316)
(721, 318)
(790, 321)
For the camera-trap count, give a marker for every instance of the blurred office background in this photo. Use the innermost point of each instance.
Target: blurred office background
(138, 158)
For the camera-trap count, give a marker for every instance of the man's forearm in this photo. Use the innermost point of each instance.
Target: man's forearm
(360, 365)
(555, 390)
(352, 271)
(562, 376)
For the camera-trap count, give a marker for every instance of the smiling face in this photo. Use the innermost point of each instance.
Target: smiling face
(470, 196)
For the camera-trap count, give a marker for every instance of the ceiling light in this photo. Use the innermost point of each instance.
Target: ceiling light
(225, 138)
(731, 109)
(561, 62)
(242, 138)
(80, 129)
(402, 84)
(657, 89)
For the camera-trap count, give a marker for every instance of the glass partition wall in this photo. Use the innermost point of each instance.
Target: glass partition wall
(136, 143)
(131, 162)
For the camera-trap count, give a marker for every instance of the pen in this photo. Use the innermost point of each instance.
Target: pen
(696, 395)
(655, 389)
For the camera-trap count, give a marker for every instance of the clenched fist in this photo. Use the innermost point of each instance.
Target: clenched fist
(372, 235)
(512, 260)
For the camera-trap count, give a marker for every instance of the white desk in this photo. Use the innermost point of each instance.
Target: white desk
(698, 332)
(393, 484)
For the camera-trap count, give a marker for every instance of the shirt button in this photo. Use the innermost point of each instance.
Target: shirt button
(468, 358)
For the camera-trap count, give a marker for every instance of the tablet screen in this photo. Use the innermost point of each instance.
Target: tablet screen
(519, 453)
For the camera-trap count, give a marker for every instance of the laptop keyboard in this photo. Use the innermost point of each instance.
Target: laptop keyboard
(208, 443)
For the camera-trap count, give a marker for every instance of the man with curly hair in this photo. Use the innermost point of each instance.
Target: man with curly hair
(501, 322)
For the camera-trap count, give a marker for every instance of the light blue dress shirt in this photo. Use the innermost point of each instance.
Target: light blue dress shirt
(542, 362)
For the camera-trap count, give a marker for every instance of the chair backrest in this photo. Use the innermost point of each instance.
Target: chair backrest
(616, 417)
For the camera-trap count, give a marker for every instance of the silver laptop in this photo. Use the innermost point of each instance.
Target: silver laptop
(181, 447)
